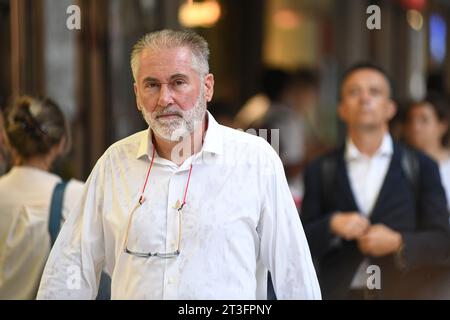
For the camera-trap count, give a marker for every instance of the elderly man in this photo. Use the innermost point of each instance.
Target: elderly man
(374, 211)
(187, 209)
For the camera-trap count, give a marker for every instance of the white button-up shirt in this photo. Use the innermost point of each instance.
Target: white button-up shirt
(238, 222)
(366, 175)
(25, 198)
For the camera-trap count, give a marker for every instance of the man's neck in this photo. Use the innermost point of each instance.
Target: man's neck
(179, 151)
(368, 141)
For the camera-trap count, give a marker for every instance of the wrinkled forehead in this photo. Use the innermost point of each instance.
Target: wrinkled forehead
(176, 60)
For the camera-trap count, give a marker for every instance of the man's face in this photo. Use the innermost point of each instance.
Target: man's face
(365, 102)
(170, 93)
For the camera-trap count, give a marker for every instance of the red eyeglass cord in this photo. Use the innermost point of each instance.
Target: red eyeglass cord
(142, 199)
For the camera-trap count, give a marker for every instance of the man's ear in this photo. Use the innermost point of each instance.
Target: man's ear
(341, 111)
(392, 109)
(443, 127)
(209, 87)
(136, 94)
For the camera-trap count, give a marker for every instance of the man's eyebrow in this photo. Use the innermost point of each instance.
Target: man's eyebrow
(177, 75)
(150, 79)
(352, 87)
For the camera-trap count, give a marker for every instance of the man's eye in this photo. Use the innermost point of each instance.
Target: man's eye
(375, 91)
(179, 82)
(152, 85)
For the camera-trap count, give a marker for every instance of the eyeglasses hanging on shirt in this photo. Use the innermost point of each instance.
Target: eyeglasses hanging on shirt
(179, 208)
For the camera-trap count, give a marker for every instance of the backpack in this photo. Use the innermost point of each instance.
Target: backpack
(56, 206)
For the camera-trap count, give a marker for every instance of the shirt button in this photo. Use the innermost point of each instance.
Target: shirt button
(171, 281)
(176, 205)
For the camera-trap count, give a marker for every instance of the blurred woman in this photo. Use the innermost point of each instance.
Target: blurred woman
(38, 134)
(427, 128)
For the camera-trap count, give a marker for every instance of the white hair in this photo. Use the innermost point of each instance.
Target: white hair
(168, 39)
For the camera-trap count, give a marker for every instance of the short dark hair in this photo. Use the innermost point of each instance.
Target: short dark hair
(366, 65)
(35, 125)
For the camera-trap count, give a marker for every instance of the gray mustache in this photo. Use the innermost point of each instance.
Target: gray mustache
(166, 113)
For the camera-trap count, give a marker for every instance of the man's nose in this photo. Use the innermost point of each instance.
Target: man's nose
(165, 95)
(364, 98)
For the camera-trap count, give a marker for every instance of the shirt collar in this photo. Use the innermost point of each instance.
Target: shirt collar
(213, 142)
(386, 148)
(145, 144)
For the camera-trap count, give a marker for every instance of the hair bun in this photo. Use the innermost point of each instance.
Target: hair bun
(35, 125)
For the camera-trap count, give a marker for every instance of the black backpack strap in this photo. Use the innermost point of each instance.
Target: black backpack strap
(56, 206)
(411, 167)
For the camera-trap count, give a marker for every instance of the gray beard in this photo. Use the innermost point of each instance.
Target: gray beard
(175, 129)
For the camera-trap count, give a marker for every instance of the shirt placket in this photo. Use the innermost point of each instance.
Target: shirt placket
(372, 188)
(176, 189)
(365, 184)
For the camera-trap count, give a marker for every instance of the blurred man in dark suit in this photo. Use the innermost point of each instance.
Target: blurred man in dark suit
(374, 211)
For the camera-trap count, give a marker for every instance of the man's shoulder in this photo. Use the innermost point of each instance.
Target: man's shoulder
(133, 139)
(129, 143)
(126, 147)
(249, 143)
(330, 157)
(425, 161)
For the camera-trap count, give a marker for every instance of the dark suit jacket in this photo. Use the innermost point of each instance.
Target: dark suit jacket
(423, 223)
